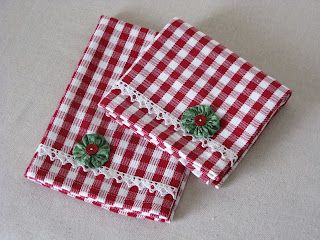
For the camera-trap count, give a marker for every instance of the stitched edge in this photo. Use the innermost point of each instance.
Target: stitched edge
(161, 114)
(120, 177)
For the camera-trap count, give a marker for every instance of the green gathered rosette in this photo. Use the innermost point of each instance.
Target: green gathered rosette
(200, 121)
(92, 151)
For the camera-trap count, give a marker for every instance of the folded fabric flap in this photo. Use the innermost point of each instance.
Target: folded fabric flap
(109, 173)
(97, 190)
(166, 137)
(185, 77)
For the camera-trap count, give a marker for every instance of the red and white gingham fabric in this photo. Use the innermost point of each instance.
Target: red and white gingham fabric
(182, 68)
(136, 168)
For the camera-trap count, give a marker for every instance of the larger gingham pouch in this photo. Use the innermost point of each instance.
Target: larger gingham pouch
(139, 179)
(183, 73)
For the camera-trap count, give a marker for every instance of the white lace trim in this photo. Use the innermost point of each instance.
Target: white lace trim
(120, 177)
(161, 114)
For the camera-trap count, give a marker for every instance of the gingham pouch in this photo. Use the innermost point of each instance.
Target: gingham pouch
(182, 69)
(139, 179)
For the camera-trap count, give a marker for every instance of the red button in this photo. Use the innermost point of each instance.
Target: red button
(200, 120)
(92, 149)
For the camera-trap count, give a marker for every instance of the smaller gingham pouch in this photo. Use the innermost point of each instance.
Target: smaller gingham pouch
(196, 99)
(87, 155)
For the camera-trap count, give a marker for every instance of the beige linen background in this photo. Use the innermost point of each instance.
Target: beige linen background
(273, 194)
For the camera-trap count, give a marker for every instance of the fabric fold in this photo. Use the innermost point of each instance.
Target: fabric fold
(182, 69)
(136, 179)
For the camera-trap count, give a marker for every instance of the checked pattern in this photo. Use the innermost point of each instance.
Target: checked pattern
(111, 51)
(182, 68)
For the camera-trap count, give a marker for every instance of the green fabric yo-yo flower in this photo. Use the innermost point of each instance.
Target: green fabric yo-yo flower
(92, 151)
(200, 121)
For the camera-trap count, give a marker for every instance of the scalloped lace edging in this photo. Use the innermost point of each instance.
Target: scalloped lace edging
(120, 177)
(161, 114)
(106, 206)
